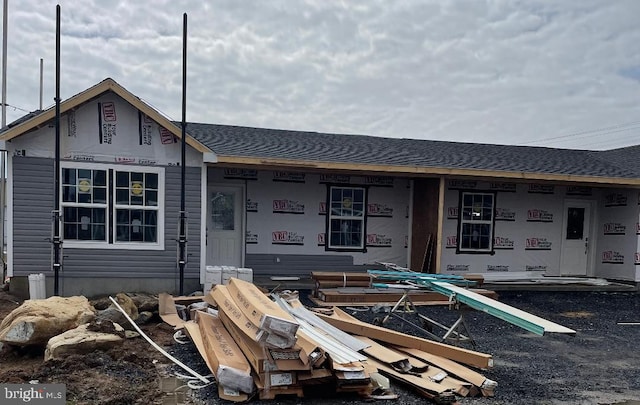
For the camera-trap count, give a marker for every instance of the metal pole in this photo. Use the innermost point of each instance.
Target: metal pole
(182, 239)
(5, 24)
(57, 242)
(5, 9)
(41, 80)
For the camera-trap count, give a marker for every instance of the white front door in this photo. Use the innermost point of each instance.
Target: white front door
(224, 226)
(575, 238)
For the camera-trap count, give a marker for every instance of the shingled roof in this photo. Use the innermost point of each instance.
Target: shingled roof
(260, 143)
(246, 146)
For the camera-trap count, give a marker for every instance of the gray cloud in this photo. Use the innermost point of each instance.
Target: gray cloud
(521, 72)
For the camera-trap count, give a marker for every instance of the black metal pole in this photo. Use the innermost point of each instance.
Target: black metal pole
(182, 239)
(57, 242)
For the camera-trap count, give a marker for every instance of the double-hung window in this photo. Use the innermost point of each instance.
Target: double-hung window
(112, 206)
(346, 218)
(476, 223)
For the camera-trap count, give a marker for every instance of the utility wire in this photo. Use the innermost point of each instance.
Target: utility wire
(15, 108)
(590, 133)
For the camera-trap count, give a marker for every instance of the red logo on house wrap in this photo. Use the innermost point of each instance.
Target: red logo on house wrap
(109, 111)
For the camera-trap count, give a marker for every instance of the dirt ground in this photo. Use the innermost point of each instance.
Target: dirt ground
(600, 365)
(127, 374)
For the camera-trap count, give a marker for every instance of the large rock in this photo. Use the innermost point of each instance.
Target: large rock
(114, 315)
(37, 321)
(144, 301)
(80, 340)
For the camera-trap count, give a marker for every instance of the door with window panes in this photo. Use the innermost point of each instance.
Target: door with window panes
(224, 226)
(575, 238)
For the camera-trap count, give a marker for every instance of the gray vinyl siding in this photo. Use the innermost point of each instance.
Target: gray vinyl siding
(33, 197)
(32, 205)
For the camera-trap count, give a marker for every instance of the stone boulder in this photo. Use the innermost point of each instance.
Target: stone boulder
(37, 321)
(114, 315)
(144, 301)
(80, 340)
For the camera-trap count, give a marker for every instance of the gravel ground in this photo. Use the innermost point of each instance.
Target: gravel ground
(600, 365)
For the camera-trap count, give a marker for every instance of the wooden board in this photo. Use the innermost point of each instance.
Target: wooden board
(373, 296)
(347, 323)
(453, 368)
(320, 303)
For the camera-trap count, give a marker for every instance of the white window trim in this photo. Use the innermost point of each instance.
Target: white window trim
(159, 245)
(363, 219)
(462, 221)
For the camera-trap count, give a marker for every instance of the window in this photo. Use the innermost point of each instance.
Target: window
(109, 206)
(475, 227)
(84, 204)
(346, 218)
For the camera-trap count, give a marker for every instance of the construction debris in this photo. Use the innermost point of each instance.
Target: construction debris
(347, 323)
(261, 347)
(345, 289)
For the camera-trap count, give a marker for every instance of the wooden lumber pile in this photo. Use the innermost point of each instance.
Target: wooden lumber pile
(264, 348)
(354, 288)
(330, 279)
(370, 296)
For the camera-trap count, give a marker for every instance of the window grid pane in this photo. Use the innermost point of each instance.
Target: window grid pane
(477, 219)
(84, 205)
(346, 218)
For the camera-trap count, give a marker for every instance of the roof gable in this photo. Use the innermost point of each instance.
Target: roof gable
(39, 118)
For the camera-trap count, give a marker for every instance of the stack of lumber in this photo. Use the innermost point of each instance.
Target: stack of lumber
(353, 288)
(331, 279)
(259, 347)
(370, 296)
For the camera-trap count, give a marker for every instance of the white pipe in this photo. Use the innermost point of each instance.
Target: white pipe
(158, 348)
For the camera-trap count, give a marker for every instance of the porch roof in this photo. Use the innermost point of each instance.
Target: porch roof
(245, 146)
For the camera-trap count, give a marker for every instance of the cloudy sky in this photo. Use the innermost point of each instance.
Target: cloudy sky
(552, 73)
